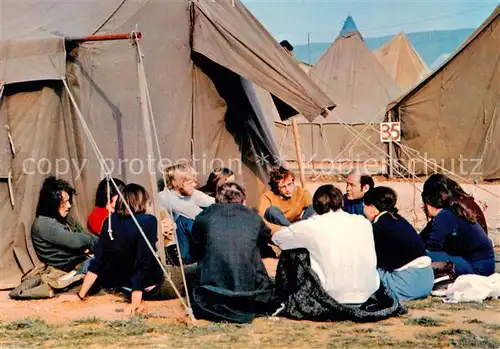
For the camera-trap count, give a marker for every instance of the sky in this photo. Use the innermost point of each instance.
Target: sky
(323, 19)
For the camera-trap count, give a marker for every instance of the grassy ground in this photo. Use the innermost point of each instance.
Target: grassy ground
(428, 324)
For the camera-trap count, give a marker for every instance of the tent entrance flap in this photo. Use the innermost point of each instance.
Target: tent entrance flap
(247, 127)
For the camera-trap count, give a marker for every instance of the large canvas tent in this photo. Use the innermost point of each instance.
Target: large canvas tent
(453, 115)
(402, 62)
(351, 75)
(201, 60)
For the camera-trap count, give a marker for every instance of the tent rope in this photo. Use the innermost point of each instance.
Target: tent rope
(369, 146)
(427, 161)
(108, 194)
(142, 78)
(104, 165)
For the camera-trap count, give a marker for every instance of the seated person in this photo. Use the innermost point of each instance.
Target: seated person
(102, 207)
(122, 257)
(218, 177)
(459, 194)
(285, 203)
(357, 184)
(402, 262)
(229, 240)
(340, 245)
(453, 233)
(185, 202)
(58, 239)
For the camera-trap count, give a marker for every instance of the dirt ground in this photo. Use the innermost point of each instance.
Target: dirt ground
(100, 321)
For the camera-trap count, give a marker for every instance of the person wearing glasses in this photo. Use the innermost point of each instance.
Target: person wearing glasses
(285, 202)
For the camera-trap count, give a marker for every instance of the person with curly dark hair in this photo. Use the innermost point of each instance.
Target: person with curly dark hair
(453, 234)
(402, 262)
(58, 239)
(285, 203)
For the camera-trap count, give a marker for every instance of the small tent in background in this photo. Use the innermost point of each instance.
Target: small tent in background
(352, 76)
(453, 116)
(199, 58)
(402, 62)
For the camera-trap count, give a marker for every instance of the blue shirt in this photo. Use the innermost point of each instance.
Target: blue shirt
(457, 237)
(353, 206)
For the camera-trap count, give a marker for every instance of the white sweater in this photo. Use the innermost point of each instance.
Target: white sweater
(342, 252)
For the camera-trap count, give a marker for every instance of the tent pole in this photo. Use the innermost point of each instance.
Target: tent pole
(298, 152)
(106, 37)
(391, 150)
(149, 146)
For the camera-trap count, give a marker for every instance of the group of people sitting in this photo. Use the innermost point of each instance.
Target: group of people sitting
(356, 243)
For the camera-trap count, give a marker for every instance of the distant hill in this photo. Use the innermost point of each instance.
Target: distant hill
(431, 45)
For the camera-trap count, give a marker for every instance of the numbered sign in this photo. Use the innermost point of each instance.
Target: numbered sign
(390, 132)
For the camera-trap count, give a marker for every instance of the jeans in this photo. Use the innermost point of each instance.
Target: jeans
(463, 266)
(274, 215)
(84, 267)
(409, 283)
(184, 228)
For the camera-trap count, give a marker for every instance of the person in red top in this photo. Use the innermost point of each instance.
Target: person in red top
(102, 206)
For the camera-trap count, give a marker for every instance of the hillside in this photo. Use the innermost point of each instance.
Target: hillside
(431, 45)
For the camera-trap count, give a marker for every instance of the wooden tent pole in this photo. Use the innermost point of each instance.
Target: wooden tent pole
(149, 148)
(298, 152)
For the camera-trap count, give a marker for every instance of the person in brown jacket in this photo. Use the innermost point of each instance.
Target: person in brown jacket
(285, 203)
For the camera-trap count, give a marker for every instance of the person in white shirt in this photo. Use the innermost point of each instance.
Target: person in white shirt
(185, 202)
(340, 245)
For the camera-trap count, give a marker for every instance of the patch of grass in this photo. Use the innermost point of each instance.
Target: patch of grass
(87, 321)
(27, 329)
(492, 326)
(363, 330)
(471, 340)
(473, 321)
(424, 321)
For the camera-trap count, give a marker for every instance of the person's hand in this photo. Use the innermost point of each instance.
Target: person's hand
(168, 227)
(134, 309)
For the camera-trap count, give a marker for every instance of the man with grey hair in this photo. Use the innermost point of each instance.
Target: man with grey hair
(357, 184)
(229, 238)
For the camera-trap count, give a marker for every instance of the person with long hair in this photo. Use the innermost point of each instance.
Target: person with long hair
(216, 178)
(103, 207)
(59, 240)
(122, 257)
(402, 262)
(453, 233)
(458, 193)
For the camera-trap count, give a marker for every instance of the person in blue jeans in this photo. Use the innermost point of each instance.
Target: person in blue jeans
(453, 233)
(402, 262)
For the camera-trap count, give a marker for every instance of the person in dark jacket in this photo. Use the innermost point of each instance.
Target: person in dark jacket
(402, 262)
(453, 233)
(59, 240)
(229, 240)
(122, 257)
(357, 184)
(232, 281)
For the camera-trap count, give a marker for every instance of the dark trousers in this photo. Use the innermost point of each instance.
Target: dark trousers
(274, 215)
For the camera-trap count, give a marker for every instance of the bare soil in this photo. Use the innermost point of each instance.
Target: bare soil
(100, 321)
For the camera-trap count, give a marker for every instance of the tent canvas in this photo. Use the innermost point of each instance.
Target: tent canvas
(351, 75)
(184, 43)
(452, 116)
(402, 61)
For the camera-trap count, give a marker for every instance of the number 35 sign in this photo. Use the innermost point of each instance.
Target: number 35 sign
(390, 132)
